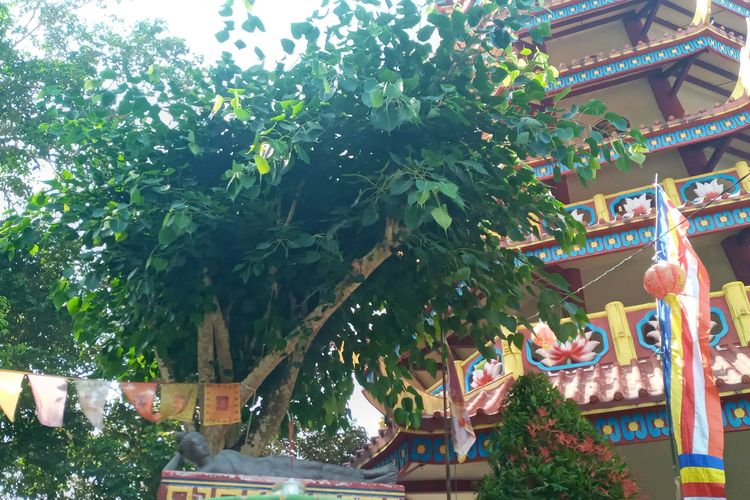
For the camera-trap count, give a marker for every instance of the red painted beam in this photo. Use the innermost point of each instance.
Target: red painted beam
(430, 486)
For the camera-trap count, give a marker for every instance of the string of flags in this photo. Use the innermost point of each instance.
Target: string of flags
(176, 401)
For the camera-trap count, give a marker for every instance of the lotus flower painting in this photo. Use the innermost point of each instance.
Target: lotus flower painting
(549, 351)
(707, 191)
(578, 215)
(578, 350)
(652, 336)
(485, 372)
(636, 206)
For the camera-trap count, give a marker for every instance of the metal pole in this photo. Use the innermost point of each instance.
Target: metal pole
(446, 426)
(664, 354)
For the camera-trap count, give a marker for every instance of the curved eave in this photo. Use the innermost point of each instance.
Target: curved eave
(724, 119)
(610, 388)
(560, 14)
(619, 236)
(633, 61)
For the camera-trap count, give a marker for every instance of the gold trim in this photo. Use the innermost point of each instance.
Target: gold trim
(735, 294)
(622, 337)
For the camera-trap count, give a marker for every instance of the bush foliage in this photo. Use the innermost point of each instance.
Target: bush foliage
(545, 449)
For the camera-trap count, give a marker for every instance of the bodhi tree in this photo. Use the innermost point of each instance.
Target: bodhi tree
(282, 226)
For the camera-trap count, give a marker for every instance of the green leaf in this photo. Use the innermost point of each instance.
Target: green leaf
(262, 164)
(287, 45)
(593, 107)
(441, 216)
(166, 235)
(242, 114)
(159, 264)
(222, 36)
(425, 33)
(617, 121)
(448, 189)
(401, 185)
(73, 305)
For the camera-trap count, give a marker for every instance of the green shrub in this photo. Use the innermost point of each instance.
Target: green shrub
(545, 449)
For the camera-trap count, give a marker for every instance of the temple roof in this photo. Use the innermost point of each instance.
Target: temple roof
(594, 389)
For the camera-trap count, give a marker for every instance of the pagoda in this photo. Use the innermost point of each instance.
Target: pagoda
(680, 72)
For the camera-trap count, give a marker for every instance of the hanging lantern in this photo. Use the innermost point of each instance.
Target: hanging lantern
(664, 277)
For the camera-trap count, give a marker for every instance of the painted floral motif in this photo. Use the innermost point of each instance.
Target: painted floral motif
(578, 215)
(485, 372)
(652, 336)
(707, 191)
(579, 350)
(636, 206)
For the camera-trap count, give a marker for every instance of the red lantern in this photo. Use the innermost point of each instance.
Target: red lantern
(664, 277)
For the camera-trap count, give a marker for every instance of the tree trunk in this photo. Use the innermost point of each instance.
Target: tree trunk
(213, 333)
(361, 268)
(274, 409)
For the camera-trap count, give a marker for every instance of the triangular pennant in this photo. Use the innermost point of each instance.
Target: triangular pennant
(10, 390)
(50, 394)
(92, 394)
(141, 395)
(221, 404)
(178, 401)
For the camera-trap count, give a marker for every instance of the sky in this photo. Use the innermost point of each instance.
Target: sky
(197, 21)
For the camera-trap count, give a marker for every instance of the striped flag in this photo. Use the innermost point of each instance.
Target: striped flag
(685, 323)
(463, 433)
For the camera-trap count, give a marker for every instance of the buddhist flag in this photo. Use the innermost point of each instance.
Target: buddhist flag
(221, 404)
(178, 401)
(141, 395)
(92, 395)
(50, 394)
(10, 390)
(462, 431)
(685, 323)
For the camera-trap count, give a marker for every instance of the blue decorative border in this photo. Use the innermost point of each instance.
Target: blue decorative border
(739, 9)
(638, 61)
(543, 367)
(630, 238)
(708, 178)
(399, 456)
(669, 139)
(553, 15)
(651, 425)
(426, 449)
(651, 314)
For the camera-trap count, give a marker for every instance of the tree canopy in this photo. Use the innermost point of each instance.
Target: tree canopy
(245, 224)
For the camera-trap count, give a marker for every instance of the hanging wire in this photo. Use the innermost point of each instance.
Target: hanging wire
(657, 238)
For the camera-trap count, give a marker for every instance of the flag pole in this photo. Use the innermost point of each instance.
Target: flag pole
(665, 353)
(446, 424)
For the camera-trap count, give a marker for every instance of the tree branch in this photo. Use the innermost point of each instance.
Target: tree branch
(362, 268)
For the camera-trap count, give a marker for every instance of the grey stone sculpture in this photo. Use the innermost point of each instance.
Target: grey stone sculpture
(193, 448)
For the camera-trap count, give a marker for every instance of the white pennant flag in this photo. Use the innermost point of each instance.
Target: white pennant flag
(92, 395)
(50, 394)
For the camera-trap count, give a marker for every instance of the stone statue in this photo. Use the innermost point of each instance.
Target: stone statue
(193, 448)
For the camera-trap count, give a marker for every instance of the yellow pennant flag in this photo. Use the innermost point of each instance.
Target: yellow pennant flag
(221, 404)
(178, 401)
(10, 390)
